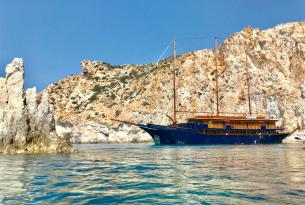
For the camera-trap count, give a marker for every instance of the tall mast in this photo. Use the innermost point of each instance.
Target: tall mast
(174, 84)
(216, 76)
(248, 85)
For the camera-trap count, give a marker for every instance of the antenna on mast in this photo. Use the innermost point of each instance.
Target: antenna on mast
(216, 76)
(174, 84)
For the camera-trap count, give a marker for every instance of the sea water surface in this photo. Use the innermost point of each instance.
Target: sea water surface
(149, 174)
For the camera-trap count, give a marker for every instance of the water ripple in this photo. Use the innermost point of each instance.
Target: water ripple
(147, 174)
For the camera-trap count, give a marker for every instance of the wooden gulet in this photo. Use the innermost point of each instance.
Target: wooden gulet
(220, 128)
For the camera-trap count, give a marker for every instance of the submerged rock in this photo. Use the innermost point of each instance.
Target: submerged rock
(26, 122)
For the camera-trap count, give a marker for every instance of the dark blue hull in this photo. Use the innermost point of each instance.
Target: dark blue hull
(171, 135)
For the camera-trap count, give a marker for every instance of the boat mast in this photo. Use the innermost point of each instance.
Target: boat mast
(216, 76)
(174, 84)
(248, 85)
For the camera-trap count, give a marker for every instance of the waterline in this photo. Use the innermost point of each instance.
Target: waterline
(145, 174)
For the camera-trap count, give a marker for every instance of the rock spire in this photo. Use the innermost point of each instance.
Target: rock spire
(26, 119)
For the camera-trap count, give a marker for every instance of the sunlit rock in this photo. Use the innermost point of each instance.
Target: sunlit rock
(26, 125)
(274, 58)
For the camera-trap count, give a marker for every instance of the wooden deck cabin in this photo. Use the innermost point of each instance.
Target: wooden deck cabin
(242, 125)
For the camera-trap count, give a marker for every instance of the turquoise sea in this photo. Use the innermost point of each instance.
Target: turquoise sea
(149, 174)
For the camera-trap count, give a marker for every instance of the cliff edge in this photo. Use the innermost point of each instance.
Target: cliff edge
(275, 58)
(26, 118)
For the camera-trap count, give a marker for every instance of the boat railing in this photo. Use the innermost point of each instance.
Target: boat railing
(256, 127)
(230, 115)
(245, 127)
(233, 113)
(254, 114)
(225, 114)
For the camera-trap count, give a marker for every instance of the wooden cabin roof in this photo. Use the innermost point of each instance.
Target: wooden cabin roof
(232, 118)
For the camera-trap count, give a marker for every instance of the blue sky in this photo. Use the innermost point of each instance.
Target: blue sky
(54, 36)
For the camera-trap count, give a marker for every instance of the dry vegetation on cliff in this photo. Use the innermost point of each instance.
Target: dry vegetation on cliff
(275, 58)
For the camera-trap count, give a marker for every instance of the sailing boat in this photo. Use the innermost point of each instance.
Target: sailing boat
(215, 129)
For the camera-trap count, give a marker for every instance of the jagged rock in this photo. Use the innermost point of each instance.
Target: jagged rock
(3, 90)
(31, 105)
(25, 125)
(15, 121)
(3, 103)
(274, 57)
(44, 116)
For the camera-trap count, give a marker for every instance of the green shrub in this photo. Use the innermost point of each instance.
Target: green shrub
(99, 89)
(117, 113)
(93, 98)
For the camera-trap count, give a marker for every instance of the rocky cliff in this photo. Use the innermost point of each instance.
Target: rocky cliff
(26, 119)
(275, 58)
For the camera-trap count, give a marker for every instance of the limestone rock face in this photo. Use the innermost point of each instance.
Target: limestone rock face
(92, 132)
(25, 125)
(13, 113)
(274, 58)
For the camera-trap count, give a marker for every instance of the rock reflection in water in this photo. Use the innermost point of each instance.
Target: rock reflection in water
(11, 176)
(128, 174)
